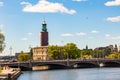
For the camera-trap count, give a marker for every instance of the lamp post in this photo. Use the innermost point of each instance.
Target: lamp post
(81, 56)
(68, 55)
(30, 52)
(10, 52)
(67, 60)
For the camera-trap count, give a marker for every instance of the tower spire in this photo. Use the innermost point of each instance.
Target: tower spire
(86, 47)
(44, 26)
(44, 22)
(44, 34)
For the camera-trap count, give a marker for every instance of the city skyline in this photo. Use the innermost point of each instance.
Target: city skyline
(94, 23)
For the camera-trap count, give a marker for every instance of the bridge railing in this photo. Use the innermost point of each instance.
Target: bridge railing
(64, 60)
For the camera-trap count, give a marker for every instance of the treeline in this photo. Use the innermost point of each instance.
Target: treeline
(71, 51)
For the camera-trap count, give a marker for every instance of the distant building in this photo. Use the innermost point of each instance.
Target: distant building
(41, 53)
(115, 48)
(119, 49)
(100, 48)
(44, 35)
(17, 54)
(111, 47)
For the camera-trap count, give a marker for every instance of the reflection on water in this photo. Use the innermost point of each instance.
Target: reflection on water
(40, 68)
(73, 74)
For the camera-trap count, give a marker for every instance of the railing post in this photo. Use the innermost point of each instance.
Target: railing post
(68, 63)
(30, 65)
(18, 64)
(98, 62)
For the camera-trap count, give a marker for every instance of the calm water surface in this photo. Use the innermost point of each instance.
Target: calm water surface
(73, 74)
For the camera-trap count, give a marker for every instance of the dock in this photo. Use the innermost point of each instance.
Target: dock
(11, 74)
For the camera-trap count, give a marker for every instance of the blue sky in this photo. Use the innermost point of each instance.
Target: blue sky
(84, 22)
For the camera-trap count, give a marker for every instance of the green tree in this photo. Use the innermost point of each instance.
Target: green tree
(23, 57)
(98, 53)
(71, 51)
(87, 53)
(2, 43)
(107, 51)
(55, 52)
(113, 55)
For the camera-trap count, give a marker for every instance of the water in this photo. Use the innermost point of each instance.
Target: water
(73, 74)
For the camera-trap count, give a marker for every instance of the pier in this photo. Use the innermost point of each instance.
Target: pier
(11, 74)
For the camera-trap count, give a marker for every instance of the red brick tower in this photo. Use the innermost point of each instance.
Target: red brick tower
(44, 35)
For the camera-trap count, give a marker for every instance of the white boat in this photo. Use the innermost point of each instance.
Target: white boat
(101, 64)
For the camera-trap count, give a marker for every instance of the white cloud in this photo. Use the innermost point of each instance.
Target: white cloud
(1, 3)
(67, 35)
(30, 33)
(113, 3)
(81, 34)
(43, 6)
(24, 39)
(79, 0)
(114, 19)
(94, 31)
(25, 3)
(108, 36)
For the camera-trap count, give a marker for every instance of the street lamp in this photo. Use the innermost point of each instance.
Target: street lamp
(10, 52)
(30, 50)
(68, 55)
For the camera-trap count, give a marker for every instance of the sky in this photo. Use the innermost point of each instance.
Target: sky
(95, 23)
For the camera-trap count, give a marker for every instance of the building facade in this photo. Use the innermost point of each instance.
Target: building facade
(40, 53)
(111, 47)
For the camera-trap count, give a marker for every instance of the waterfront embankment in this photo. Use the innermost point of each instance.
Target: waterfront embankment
(11, 74)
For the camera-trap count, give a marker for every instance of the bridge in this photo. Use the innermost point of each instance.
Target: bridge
(68, 63)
